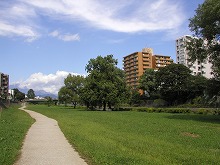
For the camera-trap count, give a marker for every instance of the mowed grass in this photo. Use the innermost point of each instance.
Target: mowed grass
(14, 124)
(139, 138)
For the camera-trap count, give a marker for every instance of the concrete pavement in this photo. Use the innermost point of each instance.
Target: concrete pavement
(45, 144)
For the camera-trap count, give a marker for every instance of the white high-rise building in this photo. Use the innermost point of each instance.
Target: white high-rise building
(197, 67)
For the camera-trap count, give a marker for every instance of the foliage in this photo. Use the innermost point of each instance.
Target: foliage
(196, 48)
(173, 83)
(135, 98)
(31, 94)
(148, 82)
(49, 101)
(212, 92)
(159, 103)
(105, 84)
(198, 85)
(14, 125)
(75, 83)
(206, 26)
(18, 95)
(204, 111)
(139, 138)
(65, 95)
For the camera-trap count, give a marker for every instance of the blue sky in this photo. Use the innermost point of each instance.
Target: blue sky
(41, 41)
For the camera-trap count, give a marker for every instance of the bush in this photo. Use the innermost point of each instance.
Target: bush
(122, 109)
(204, 111)
(159, 103)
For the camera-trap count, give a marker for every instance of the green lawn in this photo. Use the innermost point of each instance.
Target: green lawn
(14, 124)
(139, 137)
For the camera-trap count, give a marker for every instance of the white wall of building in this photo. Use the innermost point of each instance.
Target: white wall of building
(197, 67)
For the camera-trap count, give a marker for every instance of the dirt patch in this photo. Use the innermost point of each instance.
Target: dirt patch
(190, 134)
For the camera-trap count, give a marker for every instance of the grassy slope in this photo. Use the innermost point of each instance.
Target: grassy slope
(14, 124)
(139, 138)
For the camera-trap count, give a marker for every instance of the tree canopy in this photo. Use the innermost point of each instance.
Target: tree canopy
(148, 82)
(206, 26)
(173, 83)
(65, 95)
(105, 84)
(75, 83)
(18, 95)
(31, 94)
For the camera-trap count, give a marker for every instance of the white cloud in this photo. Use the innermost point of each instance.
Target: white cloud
(120, 16)
(18, 30)
(70, 37)
(16, 21)
(50, 83)
(23, 17)
(65, 37)
(54, 33)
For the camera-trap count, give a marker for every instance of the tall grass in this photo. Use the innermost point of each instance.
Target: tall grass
(139, 138)
(14, 124)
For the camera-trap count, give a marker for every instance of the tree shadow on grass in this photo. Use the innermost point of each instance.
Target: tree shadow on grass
(202, 118)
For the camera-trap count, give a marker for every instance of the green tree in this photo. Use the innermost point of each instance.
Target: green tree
(65, 95)
(135, 98)
(206, 26)
(148, 82)
(31, 94)
(75, 83)
(18, 95)
(105, 84)
(49, 101)
(213, 92)
(173, 83)
(198, 85)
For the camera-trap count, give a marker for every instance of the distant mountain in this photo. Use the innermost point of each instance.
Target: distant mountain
(43, 93)
(40, 93)
(24, 90)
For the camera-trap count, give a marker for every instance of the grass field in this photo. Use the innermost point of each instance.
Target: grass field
(138, 137)
(14, 124)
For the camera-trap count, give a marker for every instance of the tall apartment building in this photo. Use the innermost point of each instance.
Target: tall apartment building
(160, 61)
(4, 85)
(136, 63)
(198, 67)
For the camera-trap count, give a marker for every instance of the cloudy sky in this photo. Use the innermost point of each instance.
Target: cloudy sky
(41, 41)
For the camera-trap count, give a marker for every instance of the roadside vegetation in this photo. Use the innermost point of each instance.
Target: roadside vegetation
(14, 125)
(138, 138)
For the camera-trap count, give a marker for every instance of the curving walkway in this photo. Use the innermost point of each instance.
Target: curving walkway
(45, 144)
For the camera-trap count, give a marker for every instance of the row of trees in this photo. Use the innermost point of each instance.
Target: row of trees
(19, 96)
(105, 86)
(176, 85)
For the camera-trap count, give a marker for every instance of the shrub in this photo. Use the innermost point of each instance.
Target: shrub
(159, 103)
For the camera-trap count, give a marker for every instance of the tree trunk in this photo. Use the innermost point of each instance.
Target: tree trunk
(104, 106)
(74, 105)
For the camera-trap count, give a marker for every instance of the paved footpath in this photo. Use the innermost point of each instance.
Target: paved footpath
(45, 144)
